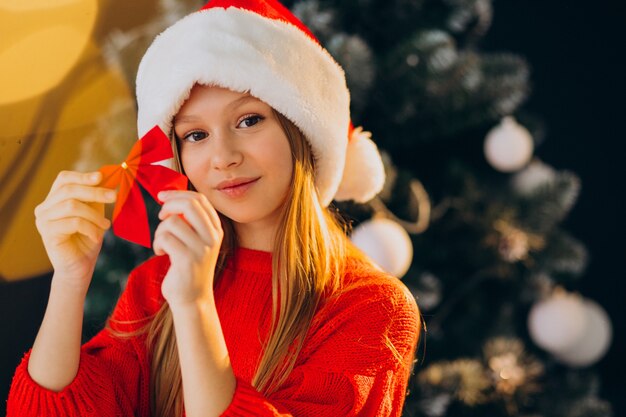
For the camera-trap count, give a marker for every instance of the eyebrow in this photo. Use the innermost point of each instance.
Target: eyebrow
(231, 105)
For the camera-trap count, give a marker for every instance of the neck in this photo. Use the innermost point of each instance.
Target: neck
(254, 238)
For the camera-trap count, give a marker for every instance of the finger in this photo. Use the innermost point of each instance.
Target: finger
(74, 177)
(81, 192)
(178, 227)
(167, 243)
(74, 208)
(195, 214)
(200, 198)
(69, 226)
(210, 210)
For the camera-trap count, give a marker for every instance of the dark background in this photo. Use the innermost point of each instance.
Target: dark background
(576, 54)
(577, 73)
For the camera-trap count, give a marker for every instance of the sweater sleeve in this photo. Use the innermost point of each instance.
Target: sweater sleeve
(108, 382)
(105, 385)
(357, 361)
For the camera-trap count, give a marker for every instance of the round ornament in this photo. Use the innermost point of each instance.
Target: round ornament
(557, 323)
(386, 243)
(532, 177)
(594, 341)
(509, 146)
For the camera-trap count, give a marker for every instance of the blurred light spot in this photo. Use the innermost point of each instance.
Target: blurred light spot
(41, 41)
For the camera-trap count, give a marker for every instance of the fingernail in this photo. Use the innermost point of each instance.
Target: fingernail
(162, 194)
(109, 195)
(94, 176)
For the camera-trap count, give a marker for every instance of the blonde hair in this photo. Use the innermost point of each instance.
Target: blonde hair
(308, 259)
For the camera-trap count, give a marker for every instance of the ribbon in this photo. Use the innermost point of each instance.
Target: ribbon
(130, 216)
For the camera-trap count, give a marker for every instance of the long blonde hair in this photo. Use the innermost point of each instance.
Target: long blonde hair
(308, 259)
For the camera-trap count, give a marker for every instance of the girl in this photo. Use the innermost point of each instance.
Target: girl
(256, 303)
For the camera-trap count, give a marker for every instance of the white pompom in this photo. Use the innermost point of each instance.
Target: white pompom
(386, 243)
(595, 340)
(557, 323)
(508, 146)
(364, 172)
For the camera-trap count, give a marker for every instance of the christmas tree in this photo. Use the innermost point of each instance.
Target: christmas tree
(469, 219)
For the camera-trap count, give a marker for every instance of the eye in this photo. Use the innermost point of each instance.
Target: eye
(195, 136)
(250, 120)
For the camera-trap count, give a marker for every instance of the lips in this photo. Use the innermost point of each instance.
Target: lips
(234, 183)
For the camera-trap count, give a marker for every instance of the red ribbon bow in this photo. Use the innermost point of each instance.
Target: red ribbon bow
(130, 217)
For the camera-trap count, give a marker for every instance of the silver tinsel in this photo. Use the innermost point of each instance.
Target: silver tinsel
(438, 48)
(428, 291)
(319, 21)
(567, 254)
(464, 12)
(590, 407)
(436, 405)
(356, 58)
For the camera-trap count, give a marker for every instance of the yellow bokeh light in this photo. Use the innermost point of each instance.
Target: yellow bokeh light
(17, 6)
(40, 42)
(45, 135)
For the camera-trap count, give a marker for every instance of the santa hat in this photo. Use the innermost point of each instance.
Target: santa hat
(261, 47)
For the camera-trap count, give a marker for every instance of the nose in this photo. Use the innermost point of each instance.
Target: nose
(224, 151)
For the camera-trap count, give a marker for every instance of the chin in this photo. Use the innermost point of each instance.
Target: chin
(240, 219)
(249, 216)
(241, 216)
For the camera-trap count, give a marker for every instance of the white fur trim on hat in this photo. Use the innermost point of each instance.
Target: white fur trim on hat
(364, 173)
(271, 59)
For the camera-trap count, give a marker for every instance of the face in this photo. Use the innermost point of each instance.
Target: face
(229, 136)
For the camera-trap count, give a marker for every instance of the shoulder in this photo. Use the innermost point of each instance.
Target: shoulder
(365, 281)
(372, 322)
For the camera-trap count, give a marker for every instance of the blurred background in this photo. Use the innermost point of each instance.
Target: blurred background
(502, 210)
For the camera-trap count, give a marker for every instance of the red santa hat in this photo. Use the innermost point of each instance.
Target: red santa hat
(261, 47)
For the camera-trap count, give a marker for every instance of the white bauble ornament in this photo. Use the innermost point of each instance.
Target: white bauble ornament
(557, 323)
(595, 340)
(531, 178)
(508, 146)
(386, 243)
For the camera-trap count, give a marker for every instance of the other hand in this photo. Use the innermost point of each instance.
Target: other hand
(191, 234)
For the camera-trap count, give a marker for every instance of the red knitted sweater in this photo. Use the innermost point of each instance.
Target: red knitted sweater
(347, 366)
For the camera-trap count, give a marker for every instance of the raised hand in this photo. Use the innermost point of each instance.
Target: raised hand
(191, 234)
(71, 223)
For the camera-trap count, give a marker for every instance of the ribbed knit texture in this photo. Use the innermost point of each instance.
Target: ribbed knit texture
(344, 369)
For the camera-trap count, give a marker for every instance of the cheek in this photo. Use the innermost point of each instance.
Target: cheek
(284, 149)
(280, 161)
(191, 161)
(284, 170)
(287, 169)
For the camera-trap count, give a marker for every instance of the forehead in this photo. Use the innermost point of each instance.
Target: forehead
(211, 97)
